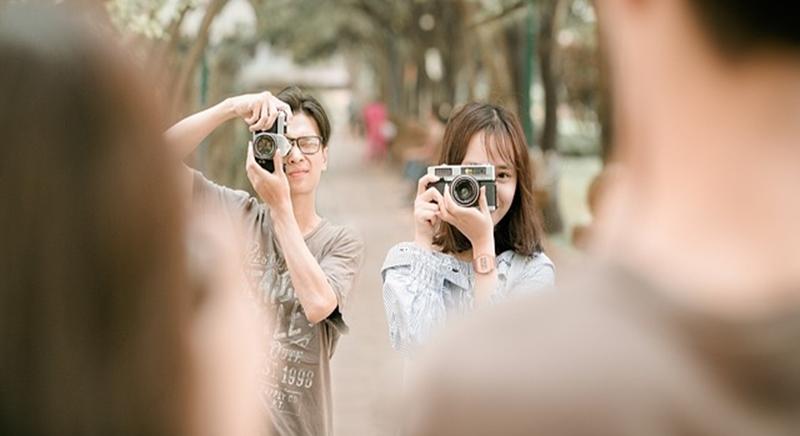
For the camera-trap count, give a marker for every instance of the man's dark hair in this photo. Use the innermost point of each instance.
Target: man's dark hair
(741, 26)
(303, 102)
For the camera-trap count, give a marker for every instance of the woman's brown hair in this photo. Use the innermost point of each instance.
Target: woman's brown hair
(520, 229)
(93, 308)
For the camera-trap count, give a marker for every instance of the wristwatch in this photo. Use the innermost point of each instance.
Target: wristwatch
(483, 264)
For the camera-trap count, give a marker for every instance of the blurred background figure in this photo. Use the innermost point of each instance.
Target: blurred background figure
(422, 152)
(104, 328)
(688, 322)
(601, 185)
(376, 129)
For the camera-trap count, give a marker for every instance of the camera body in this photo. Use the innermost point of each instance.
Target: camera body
(465, 182)
(267, 143)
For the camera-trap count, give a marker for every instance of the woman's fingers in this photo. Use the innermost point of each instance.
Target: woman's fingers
(483, 205)
(425, 206)
(431, 195)
(423, 183)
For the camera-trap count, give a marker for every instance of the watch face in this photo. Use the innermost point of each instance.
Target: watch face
(483, 264)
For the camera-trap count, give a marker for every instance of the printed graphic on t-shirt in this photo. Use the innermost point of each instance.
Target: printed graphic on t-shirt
(290, 373)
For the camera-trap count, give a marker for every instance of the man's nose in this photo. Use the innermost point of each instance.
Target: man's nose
(295, 155)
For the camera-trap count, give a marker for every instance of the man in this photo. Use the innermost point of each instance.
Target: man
(691, 323)
(303, 267)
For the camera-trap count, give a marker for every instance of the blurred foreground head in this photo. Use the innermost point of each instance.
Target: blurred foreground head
(93, 308)
(706, 103)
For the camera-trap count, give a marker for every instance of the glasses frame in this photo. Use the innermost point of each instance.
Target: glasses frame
(294, 143)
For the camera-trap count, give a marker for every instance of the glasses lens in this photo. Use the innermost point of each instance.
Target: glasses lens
(309, 144)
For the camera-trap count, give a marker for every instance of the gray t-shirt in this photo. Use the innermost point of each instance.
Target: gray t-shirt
(297, 382)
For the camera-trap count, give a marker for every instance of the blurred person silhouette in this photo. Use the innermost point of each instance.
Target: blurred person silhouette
(688, 321)
(582, 234)
(418, 158)
(433, 278)
(377, 129)
(102, 327)
(301, 266)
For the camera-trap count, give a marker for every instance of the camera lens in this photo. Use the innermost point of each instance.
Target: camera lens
(264, 146)
(465, 190)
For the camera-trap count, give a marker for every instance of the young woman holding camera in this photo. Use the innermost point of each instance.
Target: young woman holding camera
(462, 257)
(302, 266)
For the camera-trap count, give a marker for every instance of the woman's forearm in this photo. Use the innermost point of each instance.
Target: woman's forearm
(485, 284)
(187, 133)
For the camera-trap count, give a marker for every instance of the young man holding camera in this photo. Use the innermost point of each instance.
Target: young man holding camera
(690, 324)
(301, 266)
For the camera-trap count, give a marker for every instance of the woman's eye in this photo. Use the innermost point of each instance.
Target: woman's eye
(504, 176)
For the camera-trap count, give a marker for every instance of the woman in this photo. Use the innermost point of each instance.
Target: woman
(303, 266)
(100, 331)
(427, 280)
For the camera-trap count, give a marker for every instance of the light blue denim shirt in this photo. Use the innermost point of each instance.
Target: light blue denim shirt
(422, 287)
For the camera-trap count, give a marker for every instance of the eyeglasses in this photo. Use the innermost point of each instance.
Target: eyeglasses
(306, 144)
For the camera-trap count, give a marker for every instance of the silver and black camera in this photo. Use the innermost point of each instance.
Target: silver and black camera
(465, 182)
(268, 142)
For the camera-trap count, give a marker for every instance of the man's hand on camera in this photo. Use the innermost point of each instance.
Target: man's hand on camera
(259, 110)
(273, 188)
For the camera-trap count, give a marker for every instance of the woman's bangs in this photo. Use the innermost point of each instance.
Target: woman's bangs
(499, 147)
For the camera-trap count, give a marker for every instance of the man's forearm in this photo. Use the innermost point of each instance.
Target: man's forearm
(310, 284)
(187, 134)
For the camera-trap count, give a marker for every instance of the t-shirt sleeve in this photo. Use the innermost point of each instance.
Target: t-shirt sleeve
(341, 266)
(238, 205)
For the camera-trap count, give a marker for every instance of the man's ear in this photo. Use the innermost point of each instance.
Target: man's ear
(324, 158)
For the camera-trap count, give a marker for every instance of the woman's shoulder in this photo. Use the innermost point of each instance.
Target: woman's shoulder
(538, 259)
(405, 253)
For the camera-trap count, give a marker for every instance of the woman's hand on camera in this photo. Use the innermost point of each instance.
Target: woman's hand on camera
(273, 188)
(426, 211)
(259, 110)
(475, 223)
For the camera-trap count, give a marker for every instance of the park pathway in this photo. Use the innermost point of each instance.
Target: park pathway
(373, 199)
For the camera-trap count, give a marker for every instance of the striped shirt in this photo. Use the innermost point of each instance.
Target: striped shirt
(422, 288)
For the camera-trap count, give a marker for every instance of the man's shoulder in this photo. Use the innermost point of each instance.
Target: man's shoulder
(206, 190)
(342, 236)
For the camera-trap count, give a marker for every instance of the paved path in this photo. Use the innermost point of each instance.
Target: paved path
(365, 370)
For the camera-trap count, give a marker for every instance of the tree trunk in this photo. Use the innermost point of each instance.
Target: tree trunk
(191, 60)
(547, 46)
(547, 49)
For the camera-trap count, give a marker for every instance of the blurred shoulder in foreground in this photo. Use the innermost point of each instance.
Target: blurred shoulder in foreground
(610, 354)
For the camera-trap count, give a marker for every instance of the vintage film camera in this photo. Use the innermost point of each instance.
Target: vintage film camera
(267, 143)
(465, 182)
